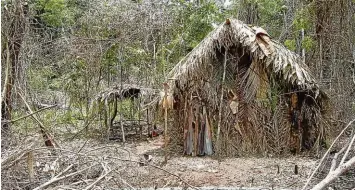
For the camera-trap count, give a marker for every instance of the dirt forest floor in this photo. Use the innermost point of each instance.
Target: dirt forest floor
(232, 172)
(82, 164)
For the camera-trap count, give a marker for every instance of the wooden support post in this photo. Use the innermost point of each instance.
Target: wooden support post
(303, 50)
(186, 125)
(196, 131)
(165, 106)
(148, 122)
(139, 117)
(221, 102)
(121, 108)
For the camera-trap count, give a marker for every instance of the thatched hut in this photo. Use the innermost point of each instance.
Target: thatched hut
(239, 92)
(128, 102)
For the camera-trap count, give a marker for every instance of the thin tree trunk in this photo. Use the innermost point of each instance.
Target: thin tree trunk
(13, 46)
(303, 50)
(121, 115)
(166, 104)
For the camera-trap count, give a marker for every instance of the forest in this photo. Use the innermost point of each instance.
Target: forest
(178, 94)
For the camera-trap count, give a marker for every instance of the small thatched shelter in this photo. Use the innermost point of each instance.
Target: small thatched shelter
(128, 103)
(241, 92)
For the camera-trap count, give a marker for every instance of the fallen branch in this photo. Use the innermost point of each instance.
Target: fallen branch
(335, 158)
(97, 180)
(348, 150)
(333, 175)
(30, 114)
(325, 155)
(58, 178)
(11, 160)
(125, 182)
(38, 121)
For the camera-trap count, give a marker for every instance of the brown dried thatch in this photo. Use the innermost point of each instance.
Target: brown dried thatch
(251, 90)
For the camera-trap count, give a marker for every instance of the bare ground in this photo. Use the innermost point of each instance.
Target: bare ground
(234, 172)
(113, 165)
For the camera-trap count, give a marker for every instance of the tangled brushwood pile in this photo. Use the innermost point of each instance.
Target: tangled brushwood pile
(81, 164)
(247, 93)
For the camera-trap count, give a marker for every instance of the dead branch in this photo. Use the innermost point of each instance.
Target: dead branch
(347, 151)
(333, 175)
(335, 159)
(326, 153)
(30, 114)
(58, 178)
(38, 121)
(8, 162)
(125, 182)
(97, 180)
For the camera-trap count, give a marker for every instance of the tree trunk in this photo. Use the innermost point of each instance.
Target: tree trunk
(14, 37)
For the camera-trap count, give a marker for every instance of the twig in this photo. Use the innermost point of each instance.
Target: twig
(57, 178)
(17, 158)
(83, 146)
(125, 182)
(347, 151)
(38, 121)
(65, 170)
(30, 114)
(108, 146)
(167, 183)
(82, 181)
(98, 179)
(325, 155)
(11, 160)
(335, 158)
(154, 166)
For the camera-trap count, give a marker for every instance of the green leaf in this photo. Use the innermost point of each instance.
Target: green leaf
(308, 43)
(291, 44)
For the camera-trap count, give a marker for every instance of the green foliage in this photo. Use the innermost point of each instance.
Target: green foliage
(76, 82)
(110, 59)
(303, 19)
(198, 20)
(291, 44)
(126, 107)
(55, 13)
(44, 78)
(308, 43)
(270, 13)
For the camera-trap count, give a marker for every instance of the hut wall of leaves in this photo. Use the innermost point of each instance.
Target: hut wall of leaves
(240, 92)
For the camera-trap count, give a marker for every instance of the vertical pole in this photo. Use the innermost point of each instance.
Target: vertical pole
(139, 116)
(121, 120)
(303, 50)
(148, 123)
(165, 105)
(221, 101)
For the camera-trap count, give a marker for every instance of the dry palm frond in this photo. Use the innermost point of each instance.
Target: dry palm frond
(265, 52)
(252, 80)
